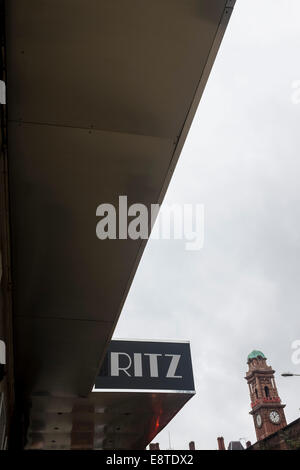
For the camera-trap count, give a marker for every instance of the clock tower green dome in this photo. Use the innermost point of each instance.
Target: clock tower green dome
(255, 354)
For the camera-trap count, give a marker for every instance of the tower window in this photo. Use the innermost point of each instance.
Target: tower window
(256, 393)
(267, 392)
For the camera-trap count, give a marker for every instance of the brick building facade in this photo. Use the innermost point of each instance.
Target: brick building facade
(267, 409)
(287, 438)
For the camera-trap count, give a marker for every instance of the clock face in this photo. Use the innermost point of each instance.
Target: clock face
(258, 420)
(274, 417)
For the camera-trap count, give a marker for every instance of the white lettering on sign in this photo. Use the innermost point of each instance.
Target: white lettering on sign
(115, 365)
(137, 363)
(138, 368)
(153, 364)
(173, 366)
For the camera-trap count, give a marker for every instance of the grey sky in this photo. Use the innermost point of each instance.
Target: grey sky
(242, 290)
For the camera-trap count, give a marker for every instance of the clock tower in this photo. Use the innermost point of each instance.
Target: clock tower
(267, 409)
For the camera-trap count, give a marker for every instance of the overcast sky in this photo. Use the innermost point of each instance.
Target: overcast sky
(241, 291)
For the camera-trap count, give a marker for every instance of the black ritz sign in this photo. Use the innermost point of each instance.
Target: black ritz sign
(147, 365)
